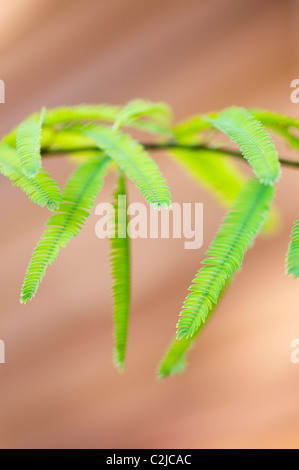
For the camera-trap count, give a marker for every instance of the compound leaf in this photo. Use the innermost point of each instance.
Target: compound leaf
(131, 157)
(120, 269)
(41, 188)
(28, 144)
(225, 255)
(79, 195)
(253, 140)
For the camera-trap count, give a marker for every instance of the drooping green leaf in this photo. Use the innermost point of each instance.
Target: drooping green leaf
(157, 116)
(41, 188)
(293, 252)
(281, 124)
(192, 126)
(175, 358)
(131, 157)
(225, 255)
(253, 140)
(62, 116)
(65, 139)
(78, 146)
(159, 113)
(79, 195)
(28, 144)
(120, 268)
(220, 177)
(213, 172)
(83, 112)
(153, 128)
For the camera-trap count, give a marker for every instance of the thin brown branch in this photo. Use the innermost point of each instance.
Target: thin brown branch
(166, 146)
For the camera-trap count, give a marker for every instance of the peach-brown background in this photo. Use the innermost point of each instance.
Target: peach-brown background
(58, 386)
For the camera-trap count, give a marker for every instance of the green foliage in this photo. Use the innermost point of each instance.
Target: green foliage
(41, 189)
(79, 196)
(254, 142)
(293, 252)
(212, 171)
(281, 124)
(28, 144)
(134, 161)
(220, 177)
(65, 140)
(83, 112)
(158, 116)
(120, 268)
(191, 127)
(225, 255)
(160, 113)
(175, 358)
(92, 133)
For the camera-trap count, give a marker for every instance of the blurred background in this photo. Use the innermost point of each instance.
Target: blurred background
(59, 388)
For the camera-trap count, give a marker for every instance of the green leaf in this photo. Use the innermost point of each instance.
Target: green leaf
(120, 268)
(281, 124)
(66, 140)
(220, 177)
(293, 252)
(153, 128)
(67, 115)
(254, 142)
(158, 117)
(79, 195)
(131, 157)
(175, 358)
(158, 112)
(28, 144)
(225, 255)
(41, 188)
(83, 112)
(191, 126)
(213, 172)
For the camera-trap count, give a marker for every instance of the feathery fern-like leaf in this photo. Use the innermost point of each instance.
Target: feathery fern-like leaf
(120, 268)
(131, 157)
(293, 252)
(191, 126)
(269, 118)
(253, 140)
(279, 123)
(220, 177)
(41, 188)
(175, 358)
(65, 140)
(225, 254)
(159, 113)
(28, 144)
(79, 195)
(212, 171)
(83, 112)
(64, 116)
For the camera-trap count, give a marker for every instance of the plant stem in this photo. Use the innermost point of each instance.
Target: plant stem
(166, 146)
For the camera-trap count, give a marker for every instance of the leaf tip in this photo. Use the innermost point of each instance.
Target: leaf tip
(119, 364)
(25, 298)
(161, 375)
